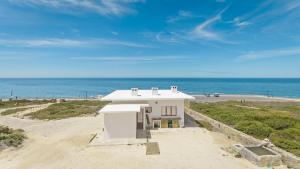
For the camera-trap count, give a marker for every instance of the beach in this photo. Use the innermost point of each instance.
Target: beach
(238, 97)
(201, 98)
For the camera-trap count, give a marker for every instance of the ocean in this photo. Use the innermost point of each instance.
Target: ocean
(82, 87)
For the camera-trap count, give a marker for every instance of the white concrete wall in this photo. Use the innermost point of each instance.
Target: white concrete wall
(156, 108)
(120, 125)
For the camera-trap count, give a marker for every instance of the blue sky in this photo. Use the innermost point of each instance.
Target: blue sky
(149, 38)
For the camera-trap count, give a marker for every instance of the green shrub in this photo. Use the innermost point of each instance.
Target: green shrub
(14, 139)
(278, 123)
(254, 128)
(288, 134)
(288, 139)
(10, 137)
(18, 103)
(4, 129)
(257, 116)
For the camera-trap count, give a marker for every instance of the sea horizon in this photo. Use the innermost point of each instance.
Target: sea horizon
(78, 87)
(167, 77)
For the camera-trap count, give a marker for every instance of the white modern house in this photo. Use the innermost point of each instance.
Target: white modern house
(135, 110)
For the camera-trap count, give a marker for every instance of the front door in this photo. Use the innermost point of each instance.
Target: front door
(170, 124)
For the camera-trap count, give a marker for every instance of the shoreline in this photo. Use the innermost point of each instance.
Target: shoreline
(198, 98)
(239, 97)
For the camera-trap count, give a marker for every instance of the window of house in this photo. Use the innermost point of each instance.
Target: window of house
(163, 110)
(174, 111)
(169, 111)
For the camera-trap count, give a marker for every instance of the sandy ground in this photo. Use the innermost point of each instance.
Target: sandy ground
(63, 144)
(31, 109)
(223, 97)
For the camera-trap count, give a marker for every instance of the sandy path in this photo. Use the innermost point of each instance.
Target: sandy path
(64, 144)
(31, 108)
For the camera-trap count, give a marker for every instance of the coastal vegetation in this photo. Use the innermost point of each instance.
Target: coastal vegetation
(68, 109)
(13, 111)
(19, 103)
(278, 121)
(11, 137)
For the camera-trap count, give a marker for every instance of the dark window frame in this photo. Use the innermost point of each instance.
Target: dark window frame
(165, 112)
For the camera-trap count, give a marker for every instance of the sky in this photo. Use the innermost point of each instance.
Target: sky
(149, 38)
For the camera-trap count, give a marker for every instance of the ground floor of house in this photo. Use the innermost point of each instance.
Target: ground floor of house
(125, 120)
(165, 123)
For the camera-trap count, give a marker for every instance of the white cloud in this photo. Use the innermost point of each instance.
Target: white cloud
(167, 37)
(292, 5)
(276, 8)
(58, 42)
(8, 56)
(237, 21)
(201, 31)
(126, 58)
(295, 51)
(40, 43)
(182, 14)
(185, 13)
(102, 7)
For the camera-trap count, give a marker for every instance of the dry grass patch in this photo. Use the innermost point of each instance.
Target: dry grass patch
(68, 109)
(19, 103)
(13, 111)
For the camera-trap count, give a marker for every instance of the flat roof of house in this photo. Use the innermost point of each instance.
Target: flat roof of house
(122, 108)
(123, 95)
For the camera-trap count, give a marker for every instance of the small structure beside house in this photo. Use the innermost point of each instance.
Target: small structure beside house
(136, 110)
